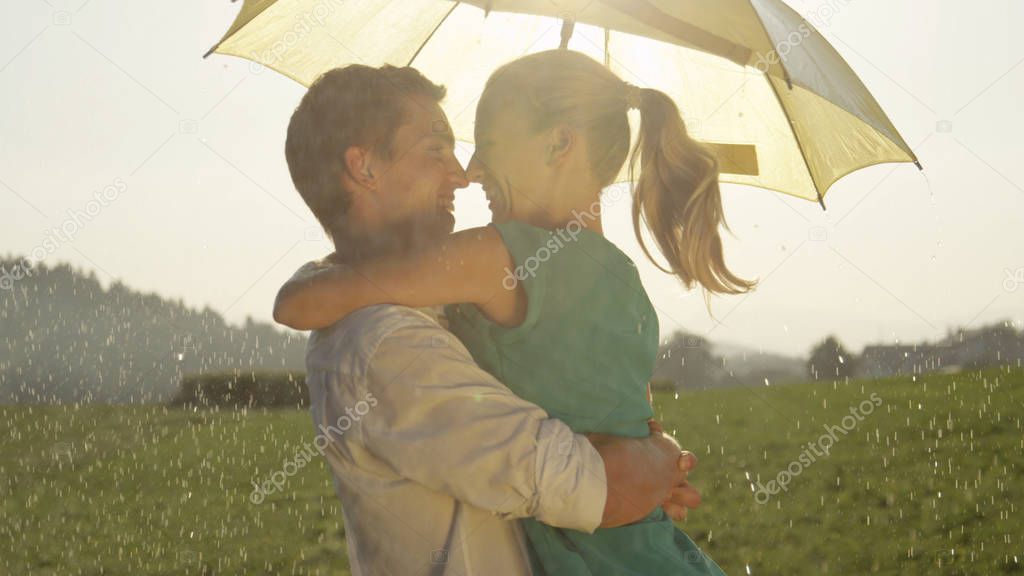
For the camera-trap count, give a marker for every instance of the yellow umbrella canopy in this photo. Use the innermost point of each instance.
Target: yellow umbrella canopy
(754, 80)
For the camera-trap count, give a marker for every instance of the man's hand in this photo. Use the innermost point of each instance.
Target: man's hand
(683, 496)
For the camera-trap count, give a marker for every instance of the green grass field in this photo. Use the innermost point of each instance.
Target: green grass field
(930, 482)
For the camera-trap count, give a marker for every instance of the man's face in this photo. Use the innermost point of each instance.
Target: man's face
(415, 195)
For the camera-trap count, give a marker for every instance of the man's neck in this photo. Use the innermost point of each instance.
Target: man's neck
(359, 245)
(353, 248)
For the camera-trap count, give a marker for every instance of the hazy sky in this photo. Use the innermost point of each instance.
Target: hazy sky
(112, 97)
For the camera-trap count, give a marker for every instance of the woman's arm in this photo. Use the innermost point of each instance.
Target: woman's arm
(467, 267)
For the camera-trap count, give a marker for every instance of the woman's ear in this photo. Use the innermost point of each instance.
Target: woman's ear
(357, 164)
(561, 143)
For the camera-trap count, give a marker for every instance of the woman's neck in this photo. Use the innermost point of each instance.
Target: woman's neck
(574, 205)
(585, 215)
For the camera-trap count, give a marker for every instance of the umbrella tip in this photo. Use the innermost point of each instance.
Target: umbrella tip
(918, 164)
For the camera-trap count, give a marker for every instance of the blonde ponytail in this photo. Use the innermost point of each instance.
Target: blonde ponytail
(677, 196)
(676, 193)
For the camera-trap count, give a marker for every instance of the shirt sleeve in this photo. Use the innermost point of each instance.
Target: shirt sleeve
(443, 422)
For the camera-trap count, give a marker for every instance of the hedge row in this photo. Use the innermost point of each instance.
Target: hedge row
(238, 389)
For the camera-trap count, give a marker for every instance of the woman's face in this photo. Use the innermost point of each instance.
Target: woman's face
(510, 161)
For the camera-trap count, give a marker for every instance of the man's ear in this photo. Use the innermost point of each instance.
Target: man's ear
(560, 144)
(358, 163)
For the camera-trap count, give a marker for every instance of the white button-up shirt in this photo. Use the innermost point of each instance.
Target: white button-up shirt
(432, 457)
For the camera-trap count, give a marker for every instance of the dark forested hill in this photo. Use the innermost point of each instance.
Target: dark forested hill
(64, 338)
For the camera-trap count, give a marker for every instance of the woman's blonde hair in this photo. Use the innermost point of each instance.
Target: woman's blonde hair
(676, 191)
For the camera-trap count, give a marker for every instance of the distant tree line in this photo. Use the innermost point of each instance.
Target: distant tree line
(998, 344)
(64, 338)
(692, 362)
(688, 361)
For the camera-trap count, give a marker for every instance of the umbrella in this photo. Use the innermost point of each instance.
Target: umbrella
(754, 80)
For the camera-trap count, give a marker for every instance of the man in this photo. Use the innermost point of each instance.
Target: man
(435, 457)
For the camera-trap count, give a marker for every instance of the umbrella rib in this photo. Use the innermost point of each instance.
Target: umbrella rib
(796, 138)
(432, 32)
(785, 112)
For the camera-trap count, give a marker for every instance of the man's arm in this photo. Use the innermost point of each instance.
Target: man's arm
(442, 421)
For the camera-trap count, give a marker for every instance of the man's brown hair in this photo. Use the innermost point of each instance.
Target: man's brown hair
(352, 106)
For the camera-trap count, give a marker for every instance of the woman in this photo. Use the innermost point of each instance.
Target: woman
(540, 298)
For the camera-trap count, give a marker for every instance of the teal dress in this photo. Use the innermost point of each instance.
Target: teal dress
(585, 354)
